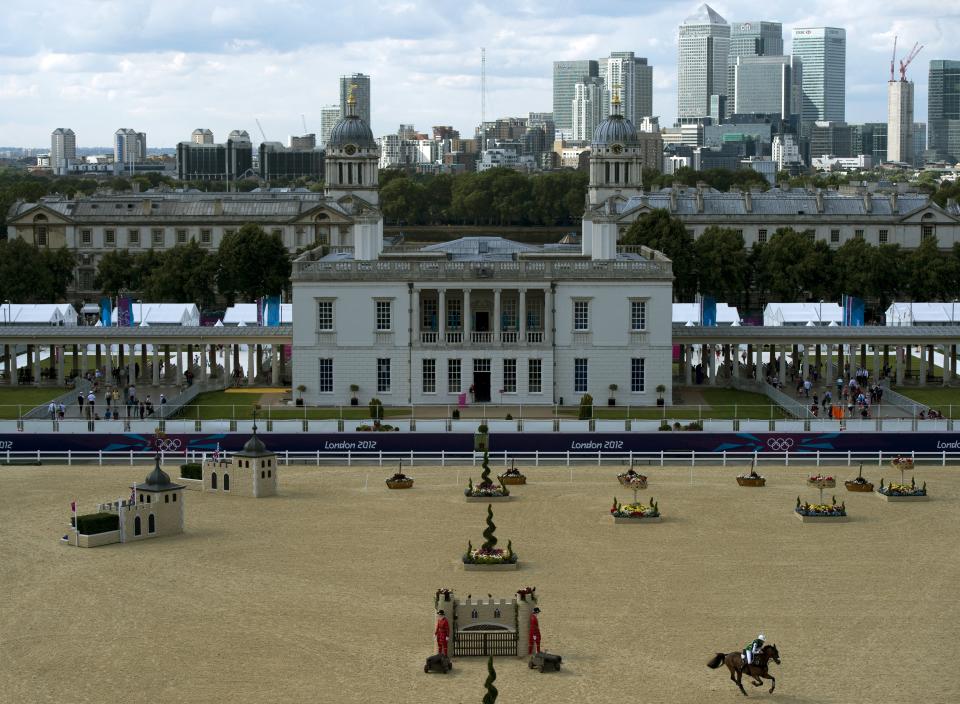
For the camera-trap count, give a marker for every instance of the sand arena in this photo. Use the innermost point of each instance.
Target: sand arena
(325, 593)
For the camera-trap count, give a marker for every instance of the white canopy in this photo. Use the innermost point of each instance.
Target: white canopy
(246, 313)
(778, 314)
(684, 312)
(38, 314)
(916, 313)
(163, 314)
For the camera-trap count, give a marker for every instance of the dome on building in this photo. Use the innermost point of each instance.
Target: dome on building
(616, 129)
(254, 446)
(351, 130)
(157, 480)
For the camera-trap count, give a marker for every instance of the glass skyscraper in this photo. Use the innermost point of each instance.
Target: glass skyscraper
(631, 78)
(361, 94)
(752, 38)
(704, 49)
(765, 85)
(566, 75)
(943, 110)
(823, 53)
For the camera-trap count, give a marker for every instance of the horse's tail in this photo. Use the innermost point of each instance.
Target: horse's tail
(716, 661)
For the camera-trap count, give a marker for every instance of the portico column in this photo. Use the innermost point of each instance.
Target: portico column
(36, 365)
(156, 366)
(10, 364)
(735, 366)
(107, 365)
(711, 363)
(900, 352)
(415, 323)
(236, 356)
(132, 365)
(908, 354)
(227, 358)
(143, 361)
(522, 312)
(83, 359)
(783, 365)
(212, 361)
(497, 329)
(179, 365)
(61, 352)
(442, 315)
(687, 362)
(548, 316)
(946, 365)
(203, 357)
(250, 372)
(923, 366)
(467, 316)
(930, 363)
(876, 364)
(275, 367)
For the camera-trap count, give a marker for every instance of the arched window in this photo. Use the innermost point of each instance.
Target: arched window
(606, 171)
(263, 475)
(136, 526)
(269, 473)
(213, 480)
(174, 498)
(148, 499)
(616, 172)
(151, 524)
(340, 172)
(226, 482)
(166, 498)
(359, 173)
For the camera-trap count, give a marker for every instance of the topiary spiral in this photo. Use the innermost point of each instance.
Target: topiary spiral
(489, 535)
(485, 475)
(491, 696)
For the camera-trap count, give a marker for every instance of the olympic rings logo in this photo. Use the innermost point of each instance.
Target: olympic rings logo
(167, 444)
(780, 444)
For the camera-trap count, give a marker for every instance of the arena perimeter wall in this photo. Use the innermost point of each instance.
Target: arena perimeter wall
(772, 442)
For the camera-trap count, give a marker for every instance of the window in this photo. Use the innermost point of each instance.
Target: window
(637, 375)
(325, 377)
(884, 234)
(205, 237)
(325, 316)
(581, 316)
(761, 236)
(508, 318)
(133, 237)
(739, 232)
(580, 375)
(151, 524)
(85, 279)
(166, 498)
(41, 236)
(454, 313)
(834, 236)
(453, 376)
(926, 232)
(428, 319)
(276, 232)
(86, 238)
(228, 232)
(137, 530)
(181, 236)
(110, 237)
(429, 376)
(156, 237)
(858, 234)
(534, 376)
(174, 498)
(383, 309)
(213, 480)
(300, 236)
(226, 479)
(638, 316)
(383, 375)
(509, 376)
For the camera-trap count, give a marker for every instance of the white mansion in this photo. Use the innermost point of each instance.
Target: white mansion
(483, 318)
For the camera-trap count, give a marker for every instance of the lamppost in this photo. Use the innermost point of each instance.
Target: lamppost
(953, 310)
(140, 304)
(820, 313)
(9, 314)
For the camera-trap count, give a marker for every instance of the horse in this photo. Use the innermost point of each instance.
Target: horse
(737, 665)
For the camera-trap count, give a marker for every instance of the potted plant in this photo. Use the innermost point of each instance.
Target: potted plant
(300, 389)
(661, 390)
(376, 409)
(613, 390)
(354, 401)
(859, 483)
(456, 414)
(586, 407)
(400, 480)
(481, 439)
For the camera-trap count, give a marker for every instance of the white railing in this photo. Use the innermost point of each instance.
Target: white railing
(530, 459)
(509, 337)
(428, 338)
(481, 338)
(534, 337)
(455, 337)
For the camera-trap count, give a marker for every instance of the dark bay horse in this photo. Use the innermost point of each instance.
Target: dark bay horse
(738, 666)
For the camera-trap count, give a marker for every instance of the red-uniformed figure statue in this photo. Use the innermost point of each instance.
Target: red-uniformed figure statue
(534, 638)
(442, 632)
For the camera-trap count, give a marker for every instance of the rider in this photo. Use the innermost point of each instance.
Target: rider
(753, 648)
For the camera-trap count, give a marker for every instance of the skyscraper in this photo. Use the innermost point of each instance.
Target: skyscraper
(129, 147)
(329, 116)
(823, 53)
(766, 85)
(360, 84)
(943, 110)
(63, 149)
(701, 63)
(919, 143)
(631, 78)
(752, 38)
(202, 136)
(591, 105)
(566, 75)
(900, 146)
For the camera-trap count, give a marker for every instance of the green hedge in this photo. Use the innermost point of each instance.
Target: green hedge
(193, 470)
(93, 523)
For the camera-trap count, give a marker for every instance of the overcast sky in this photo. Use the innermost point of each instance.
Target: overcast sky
(166, 67)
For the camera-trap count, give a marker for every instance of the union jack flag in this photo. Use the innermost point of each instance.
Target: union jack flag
(216, 453)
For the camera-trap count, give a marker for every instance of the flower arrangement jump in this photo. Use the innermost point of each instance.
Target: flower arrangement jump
(400, 480)
(903, 492)
(752, 478)
(859, 483)
(486, 490)
(632, 478)
(488, 556)
(512, 476)
(821, 512)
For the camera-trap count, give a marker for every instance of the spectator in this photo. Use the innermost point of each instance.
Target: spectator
(52, 410)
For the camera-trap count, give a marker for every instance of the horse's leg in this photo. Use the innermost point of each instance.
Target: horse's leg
(773, 682)
(739, 680)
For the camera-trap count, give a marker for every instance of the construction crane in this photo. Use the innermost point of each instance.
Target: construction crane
(304, 119)
(262, 133)
(893, 57)
(917, 47)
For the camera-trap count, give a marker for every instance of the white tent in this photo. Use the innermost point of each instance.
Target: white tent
(163, 314)
(38, 314)
(779, 314)
(726, 314)
(916, 313)
(247, 313)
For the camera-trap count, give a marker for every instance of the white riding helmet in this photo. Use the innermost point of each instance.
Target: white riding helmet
(760, 637)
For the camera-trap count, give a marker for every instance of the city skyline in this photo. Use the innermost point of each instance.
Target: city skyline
(238, 62)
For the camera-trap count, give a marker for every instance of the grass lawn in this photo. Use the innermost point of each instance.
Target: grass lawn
(222, 405)
(15, 400)
(947, 401)
(718, 403)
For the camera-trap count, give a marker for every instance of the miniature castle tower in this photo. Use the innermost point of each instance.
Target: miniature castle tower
(488, 626)
(250, 472)
(157, 510)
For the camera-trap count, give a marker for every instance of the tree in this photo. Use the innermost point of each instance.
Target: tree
(186, 273)
(851, 268)
(117, 271)
(252, 264)
(929, 272)
(791, 266)
(21, 271)
(491, 696)
(721, 265)
(403, 201)
(659, 230)
(57, 266)
(887, 270)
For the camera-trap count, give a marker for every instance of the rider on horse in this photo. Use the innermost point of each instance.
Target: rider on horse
(753, 648)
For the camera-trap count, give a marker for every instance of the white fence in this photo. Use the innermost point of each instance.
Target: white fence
(529, 459)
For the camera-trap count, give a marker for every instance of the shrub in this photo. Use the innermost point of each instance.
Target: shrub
(191, 470)
(376, 409)
(93, 523)
(509, 417)
(664, 426)
(483, 429)
(456, 414)
(586, 407)
(695, 425)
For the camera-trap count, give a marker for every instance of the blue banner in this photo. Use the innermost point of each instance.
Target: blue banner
(273, 311)
(125, 312)
(853, 311)
(106, 312)
(708, 312)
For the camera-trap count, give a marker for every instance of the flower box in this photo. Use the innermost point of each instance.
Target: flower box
(907, 497)
(632, 479)
(512, 479)
(499, 567)
(752, 481)
(400, 484)
(822, 519)
(903, 492)
(487, 499)
(640, 519)
(901, 463)
(822, 482)
(853, 485)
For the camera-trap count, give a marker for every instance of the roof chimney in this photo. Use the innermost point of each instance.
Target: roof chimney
(218, 206)
(868, 202)
(819, 200)
(699, 199)
(147, 206)
(748, 201)
(893, 202)
(673, 199)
